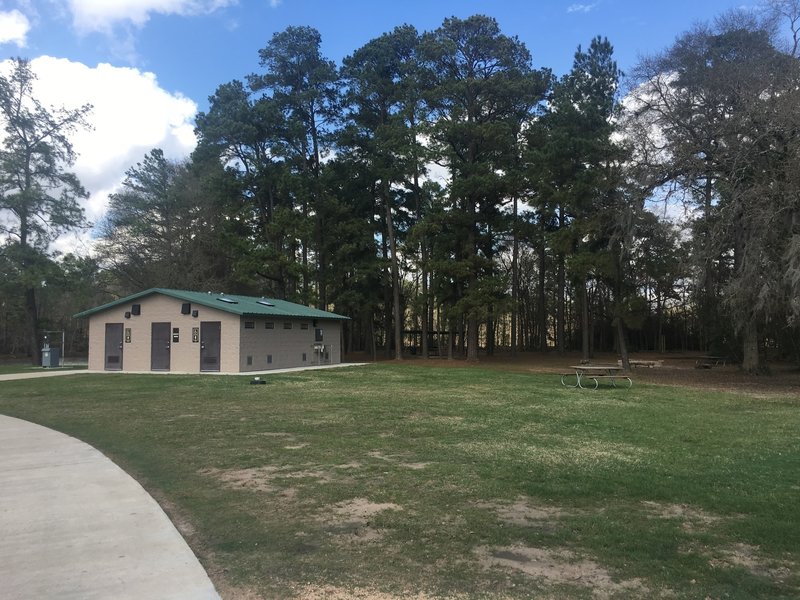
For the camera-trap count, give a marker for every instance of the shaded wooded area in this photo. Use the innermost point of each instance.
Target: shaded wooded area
(453, 199)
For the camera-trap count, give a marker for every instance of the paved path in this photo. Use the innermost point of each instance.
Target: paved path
(74, 526)
(39, 374)
(46, 373)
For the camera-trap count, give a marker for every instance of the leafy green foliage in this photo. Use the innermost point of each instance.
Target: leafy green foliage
(39, 197)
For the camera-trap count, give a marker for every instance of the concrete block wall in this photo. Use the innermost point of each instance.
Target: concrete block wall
(287, 346)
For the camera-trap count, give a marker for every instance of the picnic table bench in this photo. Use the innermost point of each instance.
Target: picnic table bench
(595, 373)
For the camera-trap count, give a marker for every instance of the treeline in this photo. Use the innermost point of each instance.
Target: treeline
(452, 199)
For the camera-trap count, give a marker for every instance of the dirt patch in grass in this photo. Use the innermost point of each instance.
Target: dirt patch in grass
(524, 513)
(385, 457)
(261, 478)
(359, 510)
(329, 592)
(558, 567)
(691, 518)
(396, 458)
(418, 466)
(352, 521)
(318, 476)
(231, 592)
(350, 465)
(257, 478)
(749, 558)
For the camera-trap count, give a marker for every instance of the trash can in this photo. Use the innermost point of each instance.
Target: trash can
(51, 357)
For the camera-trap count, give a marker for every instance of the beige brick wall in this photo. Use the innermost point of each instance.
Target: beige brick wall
(286, 346)
(184, 355)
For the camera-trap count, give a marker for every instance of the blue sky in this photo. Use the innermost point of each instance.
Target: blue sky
(192, 46)
(148, 66)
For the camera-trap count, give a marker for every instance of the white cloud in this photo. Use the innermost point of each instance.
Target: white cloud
(582, 8)
(275, 3)
(14, 27)
(103, 15)
(132, 114)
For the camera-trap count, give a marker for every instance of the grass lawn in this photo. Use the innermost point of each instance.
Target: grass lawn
(393, 481)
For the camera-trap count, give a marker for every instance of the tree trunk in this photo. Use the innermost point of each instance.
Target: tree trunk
(490, 332)
(425, 304)
(387, 301)
(472, 337)
(585, 321)
(514, 283)
(541, 308)
(750, 357)
(373, 348)
(451, 334)
(398, 321)
(33, 327)
(622, 345)
(304, 242)
(561, 293)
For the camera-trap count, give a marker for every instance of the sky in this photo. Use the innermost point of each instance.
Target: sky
(148, 66)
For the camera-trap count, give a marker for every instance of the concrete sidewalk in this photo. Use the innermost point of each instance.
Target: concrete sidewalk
(46, 373)
(73, 525)
(40, 374)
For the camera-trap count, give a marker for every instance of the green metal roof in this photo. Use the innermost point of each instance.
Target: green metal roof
(248, 306)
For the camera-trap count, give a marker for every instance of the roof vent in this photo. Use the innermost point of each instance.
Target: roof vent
(264, 303)
(228, 300)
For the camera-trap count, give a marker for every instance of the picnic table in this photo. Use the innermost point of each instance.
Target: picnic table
(595, 373)
(706, 362)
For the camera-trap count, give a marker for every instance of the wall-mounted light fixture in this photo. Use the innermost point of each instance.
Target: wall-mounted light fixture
(195, 313)
(127, 314)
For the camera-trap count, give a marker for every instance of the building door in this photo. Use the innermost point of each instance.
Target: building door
(209, 345)
(113, 361)
(160, 346)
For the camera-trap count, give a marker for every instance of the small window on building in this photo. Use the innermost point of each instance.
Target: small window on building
(249, 361)
(249, 324)
(287, 325)
(303, 325)
(269, 359)
(269, 325)
(304, 357)
(318, 335)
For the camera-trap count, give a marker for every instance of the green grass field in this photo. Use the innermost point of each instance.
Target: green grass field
(392, 481)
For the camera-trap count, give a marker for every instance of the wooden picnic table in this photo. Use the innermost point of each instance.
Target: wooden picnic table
(595, 373)
(706, 362)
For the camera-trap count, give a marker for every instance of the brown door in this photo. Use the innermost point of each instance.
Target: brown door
(209, 345)
(113, 361)
(160, 346)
